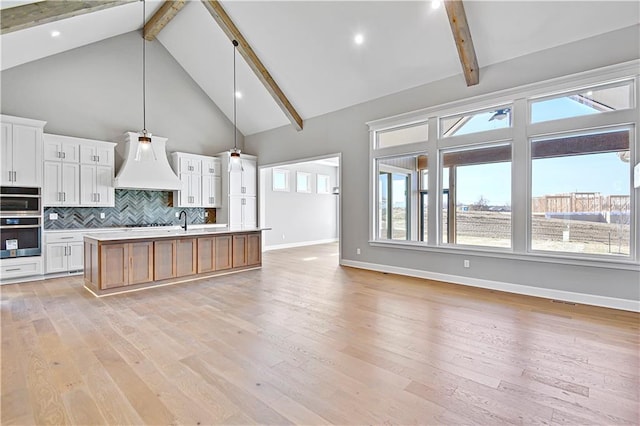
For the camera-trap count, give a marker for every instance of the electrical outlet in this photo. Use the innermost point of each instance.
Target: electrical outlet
(358, 250)
(53, 216)
(206, 214)
(283, 236)
(102, 216)
(466, 263)
(177, 214)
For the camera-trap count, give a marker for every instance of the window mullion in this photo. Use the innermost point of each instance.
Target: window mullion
(433, 185)
(520, 179)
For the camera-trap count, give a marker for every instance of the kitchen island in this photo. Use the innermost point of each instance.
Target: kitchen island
(131, 260)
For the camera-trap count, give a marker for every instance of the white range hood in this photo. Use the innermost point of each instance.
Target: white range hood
(151, 173)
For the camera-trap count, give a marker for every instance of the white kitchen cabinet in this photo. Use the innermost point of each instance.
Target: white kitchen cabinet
(61, 148)
(20, 267)
(239, 196)
(96, 186)
(200, 176)
(21, 150)
(67, 182)
(242, 212)
(242, 181)
(211, 186)
(61, 184)
(64, 252)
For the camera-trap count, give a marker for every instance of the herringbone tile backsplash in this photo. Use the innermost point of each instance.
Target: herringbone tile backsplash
(132, 207)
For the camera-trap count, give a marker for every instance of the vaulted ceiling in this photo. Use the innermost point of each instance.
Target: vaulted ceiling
(308, 46)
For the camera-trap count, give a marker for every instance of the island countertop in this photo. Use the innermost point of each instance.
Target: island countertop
(145, 234)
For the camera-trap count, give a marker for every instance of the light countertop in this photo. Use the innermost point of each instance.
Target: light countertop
(146, 233)
(136, 229)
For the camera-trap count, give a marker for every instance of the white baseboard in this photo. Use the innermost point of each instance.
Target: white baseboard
(300, 244)
(568, 296)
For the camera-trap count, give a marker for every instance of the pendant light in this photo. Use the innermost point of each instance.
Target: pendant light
(235, 163)
(145, 151)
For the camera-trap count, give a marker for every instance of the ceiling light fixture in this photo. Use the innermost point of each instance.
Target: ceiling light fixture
(235, 164)
(359, 39)
(435, 4)
(500, 114)
(144, 139)
(55, 33)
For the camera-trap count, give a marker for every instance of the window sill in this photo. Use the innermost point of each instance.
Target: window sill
(621, 264)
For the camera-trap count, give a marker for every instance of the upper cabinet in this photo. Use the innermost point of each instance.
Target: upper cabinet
(21, 151)
(78, 172)
(200, 176)
(242, 177)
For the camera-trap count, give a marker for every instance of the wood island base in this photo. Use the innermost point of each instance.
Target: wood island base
(117, 265)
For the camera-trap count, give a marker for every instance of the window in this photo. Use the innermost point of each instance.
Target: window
(479, 121)
(323, 185)
(476, 196)
(398, 197)
(303, 182)
(403, 135)
(280, 180)
(594, 100)
(554, 183)
(581, 195)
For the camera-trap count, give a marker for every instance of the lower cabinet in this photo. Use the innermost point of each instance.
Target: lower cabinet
(126, 264)
(246, 250)
(214, 253)
(174, 258)
(63, 257)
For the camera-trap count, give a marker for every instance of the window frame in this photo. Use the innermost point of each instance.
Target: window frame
(520, 133)
(319, 189)
(287, 177)
(299, 188)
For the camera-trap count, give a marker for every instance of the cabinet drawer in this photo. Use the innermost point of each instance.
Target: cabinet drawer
(63, 237)
(15, 268)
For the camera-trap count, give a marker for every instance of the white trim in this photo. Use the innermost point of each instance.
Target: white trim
(300, 244)
(30, 278)
(547, 293)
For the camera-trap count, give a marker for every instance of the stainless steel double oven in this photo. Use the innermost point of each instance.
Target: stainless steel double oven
(20, 222)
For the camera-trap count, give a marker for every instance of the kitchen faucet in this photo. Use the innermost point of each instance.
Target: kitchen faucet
(185, 219)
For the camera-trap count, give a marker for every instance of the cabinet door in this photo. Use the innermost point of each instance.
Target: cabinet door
(104, 186)
(56, 257)
(249, 177)
(70, 184)
(223, 252)
(61, 148)
(6, 152)
(211, 166)
(254, 249)
(114, 269)
(104, 155)
(211, 188)
(206, 254)
(239, 250)
(249, 212)
(88, 185)
(195, 190)
(27, 157)
(75, 256)
(186, 257)
(235, 182)
(235, 212)
(140, 263)
(164, 259)
(52, 188)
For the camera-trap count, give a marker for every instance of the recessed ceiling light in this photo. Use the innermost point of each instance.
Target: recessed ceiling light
(359, 39)
(55, 33)
(435, 4)
(239, 95)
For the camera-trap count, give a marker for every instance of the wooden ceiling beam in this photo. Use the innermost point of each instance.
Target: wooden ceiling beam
(161, 18)
(222, 18)
(43, 12)
(464, 43)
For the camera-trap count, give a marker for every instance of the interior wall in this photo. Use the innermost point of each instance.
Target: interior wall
(298, 218)
(346, 132)
(95, 92)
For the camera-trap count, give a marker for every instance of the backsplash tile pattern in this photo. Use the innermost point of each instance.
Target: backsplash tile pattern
(131, 207)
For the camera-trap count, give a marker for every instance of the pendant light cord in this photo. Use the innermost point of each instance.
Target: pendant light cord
(144, 62)
(235, 95)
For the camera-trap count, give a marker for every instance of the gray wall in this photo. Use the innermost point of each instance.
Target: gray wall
(95, 92)
(300, 217)
(345, 131)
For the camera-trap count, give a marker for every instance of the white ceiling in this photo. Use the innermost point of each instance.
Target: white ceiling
(308, 47)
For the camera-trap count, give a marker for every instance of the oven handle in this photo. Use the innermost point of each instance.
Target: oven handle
(20, 196)
(19, 226)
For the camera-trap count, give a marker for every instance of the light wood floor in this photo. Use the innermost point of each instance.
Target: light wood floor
(305, 341)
